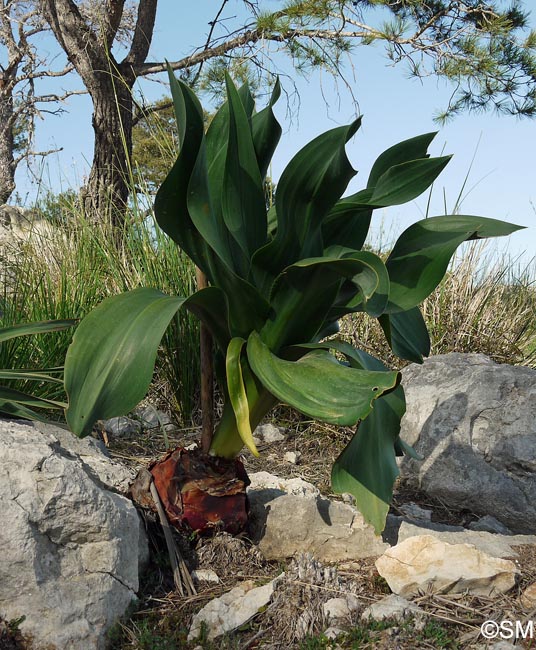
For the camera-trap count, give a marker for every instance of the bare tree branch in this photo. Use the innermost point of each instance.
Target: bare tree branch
(143, 33)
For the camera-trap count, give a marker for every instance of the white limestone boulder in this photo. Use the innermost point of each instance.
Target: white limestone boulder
(72, 545)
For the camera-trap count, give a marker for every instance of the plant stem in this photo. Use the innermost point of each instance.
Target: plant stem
(207, 376)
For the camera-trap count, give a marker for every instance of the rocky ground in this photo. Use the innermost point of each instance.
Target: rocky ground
(312, 604)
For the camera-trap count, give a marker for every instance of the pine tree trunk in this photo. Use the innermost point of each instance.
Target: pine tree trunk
(7, 159)
(106, 193)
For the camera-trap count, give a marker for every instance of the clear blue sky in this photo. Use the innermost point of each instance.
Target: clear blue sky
(502, 181)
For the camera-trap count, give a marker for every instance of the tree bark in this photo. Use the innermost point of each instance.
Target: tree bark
(7, 159)
(109, 84)
(105, 194)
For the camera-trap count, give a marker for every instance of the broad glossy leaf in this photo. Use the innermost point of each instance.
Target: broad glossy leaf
(407, 181)
(171, 205)
(110, 362)
(308, 188)
(266, 132)
(422, 253)
(366, 276)
(367, 467)
(237, 393)
(211, 307)
(248, 310)
(207, 218)
(303, 295)
(317, 384)
(242, 198)
(348, 224)
(216, 140)
(40, 327)
(402, 152)
(407, 334)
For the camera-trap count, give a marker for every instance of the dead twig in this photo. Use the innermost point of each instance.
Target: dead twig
(181, 575)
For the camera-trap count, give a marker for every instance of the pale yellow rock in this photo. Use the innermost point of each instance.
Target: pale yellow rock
(528, 597)
(424, 563)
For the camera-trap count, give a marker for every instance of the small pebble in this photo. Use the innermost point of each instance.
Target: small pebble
(292, 457)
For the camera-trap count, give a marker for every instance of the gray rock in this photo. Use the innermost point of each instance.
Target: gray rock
(474, 421)
(72, 552)
(415, 512)
(528, 597)
(333, 632)
(489, 524)
(503, 546)
(341, 607)
(230, 611)
(268, 433)
(265, 487)
(151, 418)
(292, 457)
(426, 564)
(391, 606)
(206, 575)
(122, 426)
(329, 530)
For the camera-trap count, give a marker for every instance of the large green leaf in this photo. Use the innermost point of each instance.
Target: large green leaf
(171, 205)
(303, 295)
(422, 253)
(308, 188)
(367, 467)
(207, 217)
(211, 307)
(266, 132)
(347, 224)
(248, 310)
(317, 384)
(40, 327)
(402, 152)
(110, 363)
(242, 198)
(407, 181)
(407, 334)
(237, 393)
(366, 275)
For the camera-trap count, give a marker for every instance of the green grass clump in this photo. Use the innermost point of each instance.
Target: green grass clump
(66, 265)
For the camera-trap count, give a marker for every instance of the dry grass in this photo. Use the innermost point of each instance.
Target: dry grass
(484, 304)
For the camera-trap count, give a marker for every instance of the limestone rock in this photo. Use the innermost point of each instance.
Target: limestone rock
(266, 486)
(152, 418)
(72, 551)
(330, 530)
(503, 546)
(122, 426)
(391, 606)
(233, 609)
(489, 524)
(528, 597)
(206, 575)
(415, 512)
(333, 632)
(269, 433)
(292, 457)
(340, 608)
(424, 562)
(474, 421)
